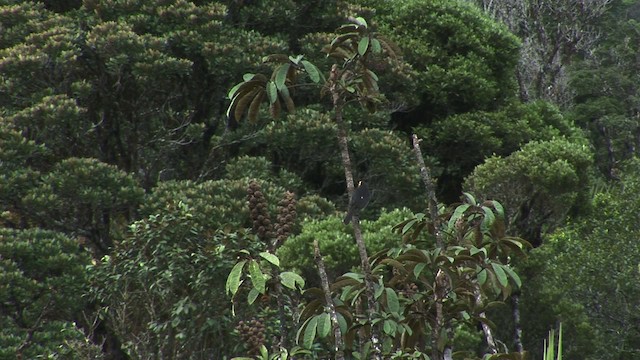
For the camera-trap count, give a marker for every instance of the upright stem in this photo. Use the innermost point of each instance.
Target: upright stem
(338, 104)
(324, 280)
(284, 335)
(430, 189)
(515, 305)
(488, 335)
(441, 285)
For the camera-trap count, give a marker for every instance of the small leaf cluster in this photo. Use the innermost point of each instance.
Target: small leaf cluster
(248, 95)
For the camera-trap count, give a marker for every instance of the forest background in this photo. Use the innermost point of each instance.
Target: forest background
(124, 181)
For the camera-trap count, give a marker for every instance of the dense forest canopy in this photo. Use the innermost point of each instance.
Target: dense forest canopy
(174, 176)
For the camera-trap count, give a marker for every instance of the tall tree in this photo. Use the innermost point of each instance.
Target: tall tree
(552, 35)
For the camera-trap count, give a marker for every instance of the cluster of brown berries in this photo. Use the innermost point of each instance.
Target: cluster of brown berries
(410, 290)
(261, 220)
(286, 217)
(258, 210)
(252, 333)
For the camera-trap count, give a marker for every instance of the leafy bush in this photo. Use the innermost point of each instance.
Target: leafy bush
(336, 243)
(163, 286)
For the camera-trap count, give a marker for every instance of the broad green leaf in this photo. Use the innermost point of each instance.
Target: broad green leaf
(354, 275)
(408, 226)
(264, 353)
(374, 76)
(418, 269)
(500, 274)
(375, 46)
(291, 279)
(361, 21)
(234, 89)
(310, 333)
(324, 324)
(295, 60)
(499, 208)
(272, 92)
(248, 76)
(460, 210)
(378, 291)
(252, 296)
(513, 276)
(312, 71)
(233, 280)
(281, 76)
(389, 327)
(392, 301)
(470, 198)
(270, 258)
(489, 218)
(407, 329)
(474, 250)
(342, 323)
(257, 277)
(363, 45)
(482, 277)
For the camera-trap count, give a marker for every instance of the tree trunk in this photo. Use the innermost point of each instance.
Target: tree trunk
(348, 174)
(517, 335)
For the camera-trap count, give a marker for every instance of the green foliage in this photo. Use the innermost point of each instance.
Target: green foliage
(42, 282)
(102, 98)
(390, 166)
(336, 244)
(283, 354)
(223, 203)
(303, 142)
(260, 168)
(461, 142)
(463, 278)
(605, 88)
(540, 184)
(550, 345)
(586, 274)
(464, 60)
(18, 156)
(163, 286)
(84, 197)
(129, 83)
